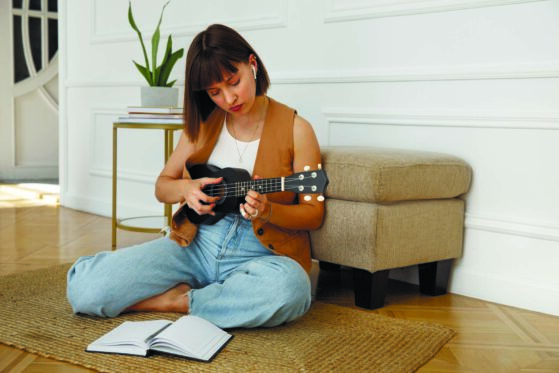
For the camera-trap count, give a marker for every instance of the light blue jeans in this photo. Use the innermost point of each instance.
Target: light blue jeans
(236, 281)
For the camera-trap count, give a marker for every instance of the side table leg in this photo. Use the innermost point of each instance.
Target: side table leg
(113, 242)
(168, 210)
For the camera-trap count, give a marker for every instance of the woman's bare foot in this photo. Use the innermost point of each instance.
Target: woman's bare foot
(172, 300)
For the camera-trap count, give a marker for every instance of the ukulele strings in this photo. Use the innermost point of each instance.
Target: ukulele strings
(244, 186)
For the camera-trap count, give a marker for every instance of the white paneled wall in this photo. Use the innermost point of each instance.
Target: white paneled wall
(477, 78)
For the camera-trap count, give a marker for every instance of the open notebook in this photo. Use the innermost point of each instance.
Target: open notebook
(189, 336)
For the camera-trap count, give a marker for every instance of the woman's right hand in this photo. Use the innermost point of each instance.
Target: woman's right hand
(196, 199)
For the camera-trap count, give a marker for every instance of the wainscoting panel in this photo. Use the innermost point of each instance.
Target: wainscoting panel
(514, 181)
(109, 25)
(345, 11)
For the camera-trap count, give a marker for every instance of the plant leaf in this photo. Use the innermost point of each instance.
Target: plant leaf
(166, 69)
(155, 45)
(170, 84)
(158, 74)
(144, 71)
(135, 28)
(168, 51)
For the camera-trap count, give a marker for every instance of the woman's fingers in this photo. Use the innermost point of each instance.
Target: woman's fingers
(202, 201)
(254, 206)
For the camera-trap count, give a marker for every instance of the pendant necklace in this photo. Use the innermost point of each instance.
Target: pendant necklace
(251, 139)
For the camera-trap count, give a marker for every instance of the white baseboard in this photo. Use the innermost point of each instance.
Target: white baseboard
(29, 172)
(491, 288)
(507, 291)
(542, 230)
(89, 205)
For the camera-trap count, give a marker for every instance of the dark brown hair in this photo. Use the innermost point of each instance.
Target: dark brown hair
(213, 53)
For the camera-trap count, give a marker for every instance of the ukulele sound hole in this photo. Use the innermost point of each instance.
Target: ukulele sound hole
(217, 190)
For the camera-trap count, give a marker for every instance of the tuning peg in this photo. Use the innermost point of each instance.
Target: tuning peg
(306, 168)
(307, 198)
(320, 166)
(320, 198)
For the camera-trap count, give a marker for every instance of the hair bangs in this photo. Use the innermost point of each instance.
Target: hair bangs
(209, 69)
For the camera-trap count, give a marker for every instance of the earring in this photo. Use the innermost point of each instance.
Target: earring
(254, 72)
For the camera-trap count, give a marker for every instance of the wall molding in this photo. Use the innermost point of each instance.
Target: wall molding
(111, 84)
(415, 74)
(124, 175)
(519, 121)
(262, 21)
(345, 11)
(356, 76)
(100, 170)
(513, 226)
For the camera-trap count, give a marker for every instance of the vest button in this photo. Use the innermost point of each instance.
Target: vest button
(261, 231)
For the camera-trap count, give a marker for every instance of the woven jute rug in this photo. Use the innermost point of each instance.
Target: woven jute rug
(36, 317)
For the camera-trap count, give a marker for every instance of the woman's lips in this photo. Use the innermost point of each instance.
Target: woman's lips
(236, 108)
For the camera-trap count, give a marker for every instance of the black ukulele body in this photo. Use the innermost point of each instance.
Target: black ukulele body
(228, 202)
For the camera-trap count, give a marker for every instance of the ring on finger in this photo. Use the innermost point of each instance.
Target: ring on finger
(255, 214)
(243, 212)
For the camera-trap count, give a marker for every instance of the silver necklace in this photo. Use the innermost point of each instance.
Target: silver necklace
(251, 139)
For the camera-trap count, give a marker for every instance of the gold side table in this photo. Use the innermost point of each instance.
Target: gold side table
(169, 129)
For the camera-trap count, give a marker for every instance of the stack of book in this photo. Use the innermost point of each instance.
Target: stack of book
(146, 114)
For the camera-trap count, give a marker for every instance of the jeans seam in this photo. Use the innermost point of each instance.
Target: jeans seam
(231, 234)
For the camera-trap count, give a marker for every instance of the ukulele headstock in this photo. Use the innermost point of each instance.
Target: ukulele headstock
(308, 182)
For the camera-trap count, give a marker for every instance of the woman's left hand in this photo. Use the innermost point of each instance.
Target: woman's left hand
(256, 205)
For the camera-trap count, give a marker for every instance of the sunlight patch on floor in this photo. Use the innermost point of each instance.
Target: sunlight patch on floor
(29, 194)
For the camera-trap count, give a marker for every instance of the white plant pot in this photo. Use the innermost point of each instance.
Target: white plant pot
(160, 96)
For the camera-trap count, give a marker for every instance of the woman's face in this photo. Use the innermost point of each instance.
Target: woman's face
(236, 93)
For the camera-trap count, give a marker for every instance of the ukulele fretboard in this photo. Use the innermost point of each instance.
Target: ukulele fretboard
(262, 186)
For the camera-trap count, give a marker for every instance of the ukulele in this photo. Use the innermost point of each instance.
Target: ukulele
(236, 183)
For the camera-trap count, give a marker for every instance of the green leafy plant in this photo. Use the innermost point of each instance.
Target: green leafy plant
(156, 76)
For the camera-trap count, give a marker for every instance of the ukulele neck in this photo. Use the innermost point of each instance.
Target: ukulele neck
(262, 186)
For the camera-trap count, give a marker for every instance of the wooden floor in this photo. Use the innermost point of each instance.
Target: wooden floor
(35, 233)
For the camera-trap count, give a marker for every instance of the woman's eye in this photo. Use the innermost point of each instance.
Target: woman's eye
(235, 82)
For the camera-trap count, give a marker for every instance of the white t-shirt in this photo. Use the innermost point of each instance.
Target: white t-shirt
(230, 152)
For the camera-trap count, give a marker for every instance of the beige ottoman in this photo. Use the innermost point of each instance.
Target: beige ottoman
(391, 208)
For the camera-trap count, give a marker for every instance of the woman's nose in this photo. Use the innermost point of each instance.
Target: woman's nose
(230, 96)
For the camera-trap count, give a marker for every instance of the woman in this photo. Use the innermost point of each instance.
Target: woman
(250, 268)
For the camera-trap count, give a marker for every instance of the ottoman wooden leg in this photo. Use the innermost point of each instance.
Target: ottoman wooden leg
(369, 288)
(433, 277)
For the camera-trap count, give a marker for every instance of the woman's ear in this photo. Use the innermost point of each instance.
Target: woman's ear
(253, 65)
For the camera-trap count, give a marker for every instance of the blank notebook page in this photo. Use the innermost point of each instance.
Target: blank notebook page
(202, 337)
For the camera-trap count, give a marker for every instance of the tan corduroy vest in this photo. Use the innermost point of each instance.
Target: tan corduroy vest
(274, 159)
